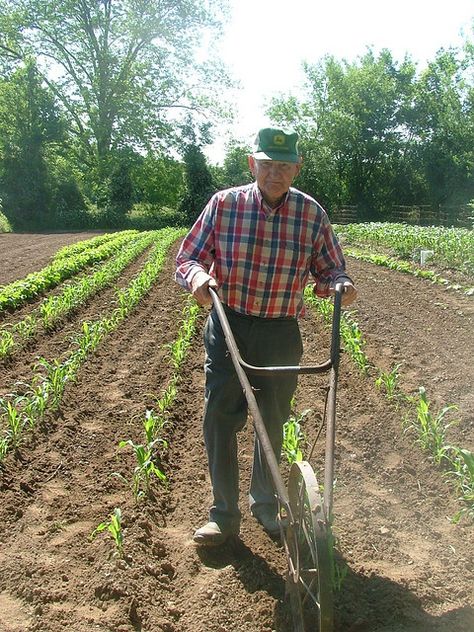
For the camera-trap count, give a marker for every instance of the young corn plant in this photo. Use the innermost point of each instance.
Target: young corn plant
(388, 381)
(114, 526)
(181, 345)
(4, 447)
(351, 335)
(7, 343)
(11, 414)
(57, 375)
(431, 428)
(145, 468)
(462, 474)
(293, 437)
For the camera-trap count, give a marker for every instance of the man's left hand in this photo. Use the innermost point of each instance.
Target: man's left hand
(349, 293)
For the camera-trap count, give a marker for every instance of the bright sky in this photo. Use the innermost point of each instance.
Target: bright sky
(266, 41)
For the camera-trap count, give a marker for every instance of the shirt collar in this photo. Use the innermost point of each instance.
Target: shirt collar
(263, 205)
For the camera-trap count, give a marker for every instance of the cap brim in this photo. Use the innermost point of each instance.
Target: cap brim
(273, 155)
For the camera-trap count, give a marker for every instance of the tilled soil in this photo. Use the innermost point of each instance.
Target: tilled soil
(405, 565)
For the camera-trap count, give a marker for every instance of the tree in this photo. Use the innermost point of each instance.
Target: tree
(199, 183)
(445, 125)
(118, 67)
(30, 129)
(235, 168)
(159, 180)
(354, 129)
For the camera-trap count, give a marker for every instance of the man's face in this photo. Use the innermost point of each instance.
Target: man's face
(273, 177)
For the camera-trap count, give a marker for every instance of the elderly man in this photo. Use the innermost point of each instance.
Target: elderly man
(257, 245)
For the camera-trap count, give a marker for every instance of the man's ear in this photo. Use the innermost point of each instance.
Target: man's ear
(251, 161)
(300, 164)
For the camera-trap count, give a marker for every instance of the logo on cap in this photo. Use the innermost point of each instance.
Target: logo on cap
(279, 139)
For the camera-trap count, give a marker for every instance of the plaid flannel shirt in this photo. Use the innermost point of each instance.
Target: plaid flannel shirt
(260, 257)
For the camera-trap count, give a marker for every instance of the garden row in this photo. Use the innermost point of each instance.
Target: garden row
(25, 406)
(416, 412)
(451, 248)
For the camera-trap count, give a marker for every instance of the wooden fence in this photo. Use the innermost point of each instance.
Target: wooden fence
(423, 215)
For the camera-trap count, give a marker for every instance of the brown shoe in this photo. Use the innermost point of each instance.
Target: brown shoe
(211, 534)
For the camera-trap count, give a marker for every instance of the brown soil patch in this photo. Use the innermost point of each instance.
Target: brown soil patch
(408, 567)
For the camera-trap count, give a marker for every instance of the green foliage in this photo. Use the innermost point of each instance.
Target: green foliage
(431, 428)
(235, 170)
(375, 134)
(48, 385)
(145, 216)
(5, 226)
(199, 184)
(39, 185)
(114, 527)
(293, 437)
(158, 181)
(120, 67)
(451, 247)
(388, 381)
(19, 292)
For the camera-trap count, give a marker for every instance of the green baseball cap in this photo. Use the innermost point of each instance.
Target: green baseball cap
(275, 144)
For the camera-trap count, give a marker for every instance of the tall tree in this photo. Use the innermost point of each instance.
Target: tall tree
(445, 125)
(30, 129)
(118, 67)
(353, 127)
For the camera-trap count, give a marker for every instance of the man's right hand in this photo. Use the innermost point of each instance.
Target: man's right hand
(199, 288)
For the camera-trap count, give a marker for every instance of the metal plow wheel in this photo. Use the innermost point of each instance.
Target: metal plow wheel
(308, 542)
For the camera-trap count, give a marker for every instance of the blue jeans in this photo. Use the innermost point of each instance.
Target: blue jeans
(261, 342)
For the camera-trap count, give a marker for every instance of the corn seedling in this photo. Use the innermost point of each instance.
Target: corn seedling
(388, 380)
(26, 328)
(462, 473)
(145, 468)
(13, 418)
(153, 425)
(47, 390)
(351, 336)
(7, 343)
(114, 526)
(57, 375)
(431, 428)
(293, 437)
(4, 447)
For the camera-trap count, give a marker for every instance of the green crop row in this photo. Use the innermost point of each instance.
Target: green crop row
(451, 247)
(406, 267)
(34, 284)
(20, 412)
(54, 308)
(429, 427)
(148, 452)
(89, 244)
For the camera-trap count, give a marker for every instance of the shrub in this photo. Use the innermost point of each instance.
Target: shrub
(4, 224)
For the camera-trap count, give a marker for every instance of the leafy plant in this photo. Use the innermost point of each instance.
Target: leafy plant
(293, 437)
(114, 526)
(145, 468)
(389, 381)
(431, 428)
(462, 473)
